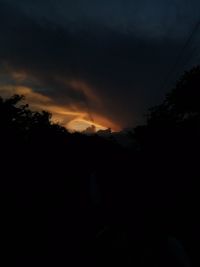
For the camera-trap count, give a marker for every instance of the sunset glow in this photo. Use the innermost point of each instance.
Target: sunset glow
(100, 132)
(73, 117)
(81, 124)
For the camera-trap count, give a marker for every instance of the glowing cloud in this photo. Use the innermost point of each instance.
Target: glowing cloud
(73, 118)
(81, 125)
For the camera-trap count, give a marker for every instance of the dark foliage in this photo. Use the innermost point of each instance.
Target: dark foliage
(70, 199)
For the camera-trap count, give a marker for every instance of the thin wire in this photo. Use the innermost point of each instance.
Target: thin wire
(180, 55)
(88, 107)
(190, 57)
(89, 112)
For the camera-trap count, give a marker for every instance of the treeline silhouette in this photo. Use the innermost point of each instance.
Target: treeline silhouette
(69, 199)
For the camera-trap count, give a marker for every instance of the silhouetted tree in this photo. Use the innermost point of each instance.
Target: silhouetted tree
(146, 196)
(179, 112)
(45, 174)
(19, 121)
(169, 145)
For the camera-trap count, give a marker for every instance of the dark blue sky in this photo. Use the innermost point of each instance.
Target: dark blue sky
(109, 55)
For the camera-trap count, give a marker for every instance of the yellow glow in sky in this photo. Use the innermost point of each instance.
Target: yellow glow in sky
(73, 119)
(81, 124)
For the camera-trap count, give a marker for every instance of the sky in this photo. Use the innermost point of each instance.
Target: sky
(101, 62)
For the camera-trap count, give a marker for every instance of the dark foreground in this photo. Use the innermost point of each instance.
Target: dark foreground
(71, 200)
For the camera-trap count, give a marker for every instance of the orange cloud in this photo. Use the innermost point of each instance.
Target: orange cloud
(81, 124)
(19, 76)
(72, 118)
(83, 87)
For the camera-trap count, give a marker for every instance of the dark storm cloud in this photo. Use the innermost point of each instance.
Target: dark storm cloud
(155, 17)
(122, 49)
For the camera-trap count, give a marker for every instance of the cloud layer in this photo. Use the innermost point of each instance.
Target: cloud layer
(103, 60)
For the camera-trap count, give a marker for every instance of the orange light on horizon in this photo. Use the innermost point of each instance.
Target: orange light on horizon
(81, 125)
(73, 117)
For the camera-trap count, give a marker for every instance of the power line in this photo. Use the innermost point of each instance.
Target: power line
(180, 55)
(190, 57)
(89, 112)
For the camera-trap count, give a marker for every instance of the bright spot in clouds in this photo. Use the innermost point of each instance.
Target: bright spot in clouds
(81, 124)
(72, 118)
